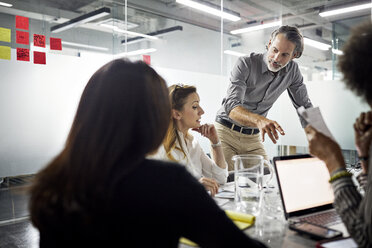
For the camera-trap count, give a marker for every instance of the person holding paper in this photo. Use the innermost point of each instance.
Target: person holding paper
(256, 82)
(180, 146)
(101, 191)
(354, 209)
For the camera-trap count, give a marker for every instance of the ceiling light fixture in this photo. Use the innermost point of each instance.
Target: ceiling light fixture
(6, 4)
(81, 20)
(316, 44)
(119, 30)
(136, 52)
(257, 27)
(210, 10)
(156, 33)
(66, 43)
(230, 52)
(345, 10)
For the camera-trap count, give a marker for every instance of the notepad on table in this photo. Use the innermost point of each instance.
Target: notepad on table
(241, 220)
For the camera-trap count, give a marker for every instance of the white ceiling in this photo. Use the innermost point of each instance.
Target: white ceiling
(149, 16)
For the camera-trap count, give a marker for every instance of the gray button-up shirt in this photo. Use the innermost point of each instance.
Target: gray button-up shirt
(255, 88)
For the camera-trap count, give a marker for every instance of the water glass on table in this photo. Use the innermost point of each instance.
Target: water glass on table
(248, 174)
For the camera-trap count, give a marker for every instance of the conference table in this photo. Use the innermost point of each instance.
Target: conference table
(270, 226)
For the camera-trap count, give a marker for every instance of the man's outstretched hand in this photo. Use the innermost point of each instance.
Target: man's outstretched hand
(269, 127)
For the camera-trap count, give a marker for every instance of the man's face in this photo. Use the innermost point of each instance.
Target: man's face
(280, 52)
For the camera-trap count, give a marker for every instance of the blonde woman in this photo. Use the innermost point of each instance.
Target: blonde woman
(180, 146)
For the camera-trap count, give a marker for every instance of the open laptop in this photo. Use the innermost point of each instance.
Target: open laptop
(305, 191)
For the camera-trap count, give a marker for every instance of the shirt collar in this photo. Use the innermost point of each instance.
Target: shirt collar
(188, 137)
(265, 68)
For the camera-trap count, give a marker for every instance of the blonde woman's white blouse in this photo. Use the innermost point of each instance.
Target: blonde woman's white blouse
(195, 161)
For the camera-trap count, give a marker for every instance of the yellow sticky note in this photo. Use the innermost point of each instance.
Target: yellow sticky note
(4, 52)
(5, 34)
(187, 242)
(236, 216)
(242, 225)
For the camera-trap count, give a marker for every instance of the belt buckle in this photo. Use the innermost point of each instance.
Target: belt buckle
(233, 126)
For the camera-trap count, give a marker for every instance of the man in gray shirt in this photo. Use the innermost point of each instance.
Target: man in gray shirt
(256, 82)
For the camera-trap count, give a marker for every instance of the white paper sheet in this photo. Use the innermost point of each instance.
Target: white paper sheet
(343, 243)
(314, 118)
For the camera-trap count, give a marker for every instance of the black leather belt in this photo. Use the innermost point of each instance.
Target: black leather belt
(237, 128)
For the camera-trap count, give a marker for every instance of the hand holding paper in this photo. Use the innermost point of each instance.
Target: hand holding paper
(314, 118)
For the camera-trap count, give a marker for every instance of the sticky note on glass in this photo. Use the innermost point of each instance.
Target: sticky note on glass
(39, 40)
(22, 37)
(55, 44)
(147, 59)
(22, 22)
(39, 58)
(23, 54)
(5, 34)
(4, 52)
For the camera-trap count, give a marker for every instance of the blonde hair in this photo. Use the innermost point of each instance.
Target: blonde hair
(177, 98)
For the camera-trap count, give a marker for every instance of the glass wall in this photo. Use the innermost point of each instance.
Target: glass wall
(49, 49)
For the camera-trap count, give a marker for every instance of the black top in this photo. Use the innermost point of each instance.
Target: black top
(152, 207)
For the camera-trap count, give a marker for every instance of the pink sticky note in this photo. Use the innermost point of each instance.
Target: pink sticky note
(22, 37)
(39, 40)
(23, 54)
(39, 58)
(146, 59)
(55, 44)
(22, 22)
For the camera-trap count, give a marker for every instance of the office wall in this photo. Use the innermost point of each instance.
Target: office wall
(339, 108)
(37, 105)
(38, 102)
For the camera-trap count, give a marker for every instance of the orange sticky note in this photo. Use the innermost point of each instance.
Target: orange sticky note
(22, 37)
(39, 58)
(55, 44)
(22, 22)
(147, 59)
(23, 54)
(39, 40)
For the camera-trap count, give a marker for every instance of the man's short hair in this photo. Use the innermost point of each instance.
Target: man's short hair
(293, 35)
(356, 61)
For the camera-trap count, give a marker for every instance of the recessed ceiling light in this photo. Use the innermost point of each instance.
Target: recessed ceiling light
(257, 27)
(345, 10)
(210, 10)
(6, 4)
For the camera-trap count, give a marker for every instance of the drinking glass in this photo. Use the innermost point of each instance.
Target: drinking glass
(248, 174)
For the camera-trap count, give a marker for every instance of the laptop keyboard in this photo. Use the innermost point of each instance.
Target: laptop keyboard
(326, 218)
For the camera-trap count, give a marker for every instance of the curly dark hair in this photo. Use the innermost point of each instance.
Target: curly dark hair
(356, 62)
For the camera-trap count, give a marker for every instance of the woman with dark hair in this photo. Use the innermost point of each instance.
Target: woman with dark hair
(354, 209)
(180, 146)
(101, 191)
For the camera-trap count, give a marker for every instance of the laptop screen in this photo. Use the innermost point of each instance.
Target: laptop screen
(303, 182)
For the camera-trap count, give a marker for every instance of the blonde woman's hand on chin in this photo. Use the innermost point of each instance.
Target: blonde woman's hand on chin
(210, 184)
(208, 131)
(325, 149)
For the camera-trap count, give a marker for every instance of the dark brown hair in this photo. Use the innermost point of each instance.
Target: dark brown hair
(123, 115)
(356, 62)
